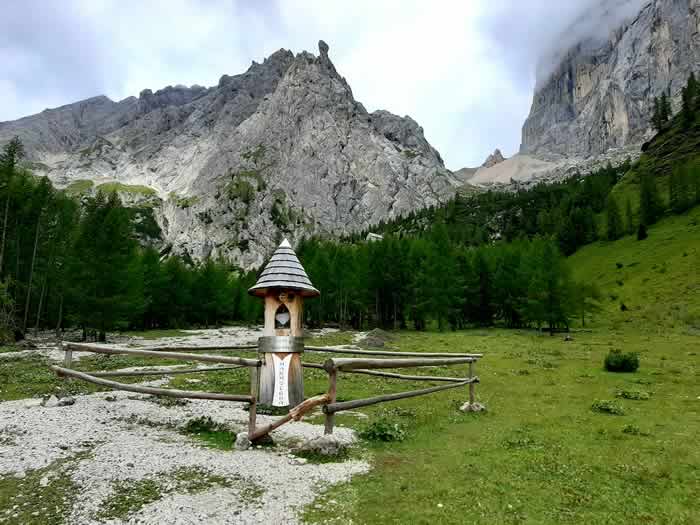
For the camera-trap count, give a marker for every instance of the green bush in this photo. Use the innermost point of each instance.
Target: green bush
(636, 395)
(634, 431)
(607, 407)
(617, 361)
(384, 430)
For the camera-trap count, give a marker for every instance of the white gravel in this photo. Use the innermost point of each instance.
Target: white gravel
(132, 438)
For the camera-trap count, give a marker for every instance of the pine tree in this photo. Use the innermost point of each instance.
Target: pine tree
(641, 232)
(675, 191)
(694, 92)
(665, 111)
(687, 107)
(656, 119)
(649, 200)
(613, 220)
(629, 216)
(11, 155)
(587, 298)
(105, 271)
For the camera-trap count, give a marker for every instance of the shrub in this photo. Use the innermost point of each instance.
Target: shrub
(634, 431)
(607, 407)
(636, 395)
(384, 430)
(617, 361)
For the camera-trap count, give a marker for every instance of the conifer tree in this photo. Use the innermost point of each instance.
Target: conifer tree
(649, 200)
(665, 110)
(105, 274)
(613, 220)
(687, 107)
(629, 216)
(656, 119)
(641, 232)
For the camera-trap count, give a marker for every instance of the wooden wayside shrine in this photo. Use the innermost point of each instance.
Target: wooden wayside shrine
(283, 285)
(276, 375)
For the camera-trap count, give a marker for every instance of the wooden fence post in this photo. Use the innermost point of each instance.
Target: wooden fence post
(330, 417)
(67, 358)
(253, 407)
(471, 384)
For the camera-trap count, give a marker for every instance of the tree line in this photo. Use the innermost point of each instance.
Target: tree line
(65, 263)
(479, 259)
(418, 282)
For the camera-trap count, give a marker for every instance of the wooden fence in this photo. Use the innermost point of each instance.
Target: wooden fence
(368, 364)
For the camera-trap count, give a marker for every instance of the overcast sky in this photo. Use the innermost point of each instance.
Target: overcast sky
(464, 70)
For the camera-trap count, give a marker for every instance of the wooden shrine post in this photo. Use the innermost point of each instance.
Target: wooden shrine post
(283, 285)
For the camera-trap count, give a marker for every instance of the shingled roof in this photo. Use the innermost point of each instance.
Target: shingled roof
(284, 271)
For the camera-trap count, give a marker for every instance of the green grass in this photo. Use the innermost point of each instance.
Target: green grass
(210, 434)
(540, 454)
(111, 187)
(28, 501)
(8, 349)
(79, 187)
(659, 281)
(330, 339)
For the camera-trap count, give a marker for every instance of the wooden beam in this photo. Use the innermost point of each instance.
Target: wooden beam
(330, 416)
(351, 363)
(253, 407)
(80, 347)
(349, 405)
(392, 374)
(200, 348)
(313, 365)
(295, 414)
(161, 371)
(168, 392)
(340, 350)
(407, 377)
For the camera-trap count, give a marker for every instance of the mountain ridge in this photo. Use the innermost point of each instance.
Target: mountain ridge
(281, 149)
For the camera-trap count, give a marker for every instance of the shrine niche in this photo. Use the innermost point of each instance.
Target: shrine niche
(283, 285)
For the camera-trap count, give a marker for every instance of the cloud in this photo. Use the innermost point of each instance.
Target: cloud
(464, 70)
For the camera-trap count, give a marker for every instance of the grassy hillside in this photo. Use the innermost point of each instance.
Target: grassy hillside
(657, 280)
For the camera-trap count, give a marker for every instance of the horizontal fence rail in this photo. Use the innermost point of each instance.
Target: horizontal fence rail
(332, 408)
(168, 392)
(220, 348)
(80, 347)
(162, 371)
(351, 363)
(387, 353)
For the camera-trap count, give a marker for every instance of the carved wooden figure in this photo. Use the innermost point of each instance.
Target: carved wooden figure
(283, 284)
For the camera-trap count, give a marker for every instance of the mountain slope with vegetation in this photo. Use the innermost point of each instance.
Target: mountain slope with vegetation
(653, 284)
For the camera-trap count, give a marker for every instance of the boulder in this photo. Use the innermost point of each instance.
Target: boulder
(328, 445)
(242, 441)
(472, 407)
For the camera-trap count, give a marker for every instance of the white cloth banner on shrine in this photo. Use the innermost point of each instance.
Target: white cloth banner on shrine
(280, 397)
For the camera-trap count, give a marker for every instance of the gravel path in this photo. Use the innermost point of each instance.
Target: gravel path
(130, 437)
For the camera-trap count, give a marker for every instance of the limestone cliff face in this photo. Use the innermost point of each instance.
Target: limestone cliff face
(600, 95)
(281, 148)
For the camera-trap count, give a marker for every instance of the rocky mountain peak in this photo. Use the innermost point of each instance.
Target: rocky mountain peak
(598, 95)
(282, 149)
(495, 158)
